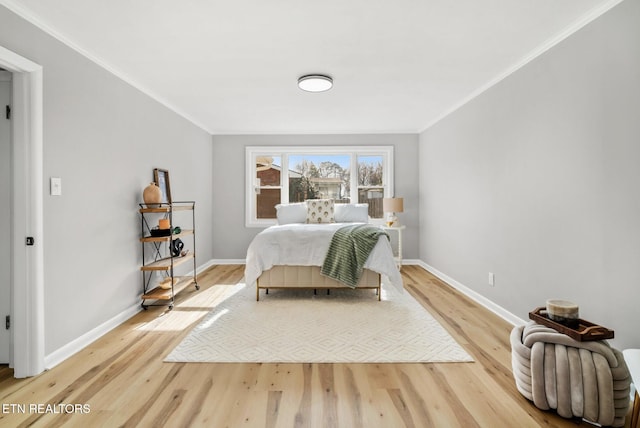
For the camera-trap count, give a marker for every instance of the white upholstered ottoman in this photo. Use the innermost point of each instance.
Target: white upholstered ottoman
(589, 380)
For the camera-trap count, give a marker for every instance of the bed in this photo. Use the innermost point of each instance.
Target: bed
(290, 254)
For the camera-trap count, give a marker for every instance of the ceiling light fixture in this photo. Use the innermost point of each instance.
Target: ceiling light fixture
(315, 83)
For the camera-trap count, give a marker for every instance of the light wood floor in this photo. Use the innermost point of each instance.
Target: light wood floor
(124, 382)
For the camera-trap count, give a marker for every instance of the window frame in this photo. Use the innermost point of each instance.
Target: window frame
(252, 152)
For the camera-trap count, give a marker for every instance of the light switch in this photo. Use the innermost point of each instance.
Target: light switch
(56, 186)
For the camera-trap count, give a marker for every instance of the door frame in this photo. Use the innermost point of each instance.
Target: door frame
(27, 215)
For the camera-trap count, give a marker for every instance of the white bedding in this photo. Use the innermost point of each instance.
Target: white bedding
(306, 245)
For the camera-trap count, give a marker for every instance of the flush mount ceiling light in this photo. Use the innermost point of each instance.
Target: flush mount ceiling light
(315, 83)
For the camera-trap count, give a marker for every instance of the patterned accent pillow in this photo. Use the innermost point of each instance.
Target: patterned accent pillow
(320, 211)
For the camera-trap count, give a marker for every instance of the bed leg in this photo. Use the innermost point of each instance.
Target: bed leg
(379, 294)
(328, 291)
(315, 291)
(257, 293)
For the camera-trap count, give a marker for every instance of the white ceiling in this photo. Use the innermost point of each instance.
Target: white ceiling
(232, 66)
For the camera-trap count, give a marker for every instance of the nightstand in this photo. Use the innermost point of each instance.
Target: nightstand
(398, 253)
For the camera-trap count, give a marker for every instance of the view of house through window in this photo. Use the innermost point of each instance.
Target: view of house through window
(290, 175)
(268, 185)
(319, 177)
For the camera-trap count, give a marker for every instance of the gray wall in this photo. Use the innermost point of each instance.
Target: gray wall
(230, 236)
(103, 138)
(537, 180)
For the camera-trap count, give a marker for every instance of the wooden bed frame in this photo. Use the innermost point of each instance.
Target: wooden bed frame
(309, 277)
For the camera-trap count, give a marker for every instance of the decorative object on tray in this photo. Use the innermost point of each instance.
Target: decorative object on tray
(564, 312)
(587, 379)
(585, 330)
(391, 206)
(163, 223)
(152, 195)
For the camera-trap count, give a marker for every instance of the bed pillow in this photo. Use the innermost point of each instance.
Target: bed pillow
(352, 213)
(320, 211)
(291, 213)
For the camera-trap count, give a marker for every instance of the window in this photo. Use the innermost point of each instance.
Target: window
(348, 174)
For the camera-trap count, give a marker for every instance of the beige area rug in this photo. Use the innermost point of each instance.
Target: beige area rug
(296, 326)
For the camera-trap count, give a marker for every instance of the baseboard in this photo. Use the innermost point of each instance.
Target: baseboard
(480, 299)
(204, 267)
(61, 354)
(229, 261)
(58, 356)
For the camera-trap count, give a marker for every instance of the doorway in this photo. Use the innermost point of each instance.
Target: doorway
(26, 355)
(5, 213)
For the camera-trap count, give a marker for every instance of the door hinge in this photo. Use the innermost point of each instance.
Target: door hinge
(7, 322)
(30, 241)
(8, 110)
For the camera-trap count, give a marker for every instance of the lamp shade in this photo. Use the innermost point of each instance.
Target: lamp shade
(393, 205)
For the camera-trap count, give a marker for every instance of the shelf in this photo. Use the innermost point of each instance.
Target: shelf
(175, 236)
(165, 264)
(166, 208)
(167, 294)
(160, 259)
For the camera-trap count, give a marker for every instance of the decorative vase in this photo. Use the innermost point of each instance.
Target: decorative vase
(152, 195)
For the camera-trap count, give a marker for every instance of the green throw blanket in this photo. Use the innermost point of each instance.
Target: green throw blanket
(349, 249)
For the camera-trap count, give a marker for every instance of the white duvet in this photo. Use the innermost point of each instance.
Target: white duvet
(306, 245)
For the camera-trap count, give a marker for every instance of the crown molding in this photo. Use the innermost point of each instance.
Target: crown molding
(28, 16)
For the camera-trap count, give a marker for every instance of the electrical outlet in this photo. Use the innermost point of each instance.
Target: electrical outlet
(492, 279)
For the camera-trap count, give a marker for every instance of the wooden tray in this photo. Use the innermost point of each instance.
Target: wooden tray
(586, 330)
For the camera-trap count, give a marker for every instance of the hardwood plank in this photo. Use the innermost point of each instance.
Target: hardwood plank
(353, 385)
(124, 381)
(273, 405)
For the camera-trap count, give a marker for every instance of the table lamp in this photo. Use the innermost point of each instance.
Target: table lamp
(391, 206)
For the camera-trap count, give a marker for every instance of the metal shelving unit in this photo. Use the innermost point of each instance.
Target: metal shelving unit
(162, 259)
